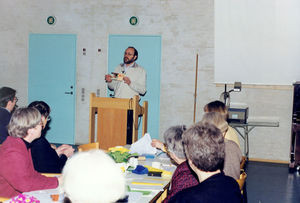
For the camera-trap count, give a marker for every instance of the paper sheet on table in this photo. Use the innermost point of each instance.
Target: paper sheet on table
(143, 146)
(134, 197)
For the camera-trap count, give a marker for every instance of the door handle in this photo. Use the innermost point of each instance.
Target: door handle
(69, 92)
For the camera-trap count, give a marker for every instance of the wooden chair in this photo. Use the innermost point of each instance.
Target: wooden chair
(90, 146)
(109, 117)
(243, 162)
(51, 174)
(241, 181)
(2, 199)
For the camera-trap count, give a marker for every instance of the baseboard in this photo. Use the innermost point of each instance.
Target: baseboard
(269, 161)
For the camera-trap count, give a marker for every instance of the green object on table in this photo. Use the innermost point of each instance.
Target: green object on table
(120, 157)
(144, 192)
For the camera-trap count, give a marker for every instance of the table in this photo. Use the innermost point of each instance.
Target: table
(158, 193)
(247, 127)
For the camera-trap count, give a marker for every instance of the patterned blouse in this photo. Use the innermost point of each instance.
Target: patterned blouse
(183, 177)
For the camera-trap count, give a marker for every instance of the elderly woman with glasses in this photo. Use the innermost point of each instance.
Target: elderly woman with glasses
(17, 174)
(183, 176)
(46, 157)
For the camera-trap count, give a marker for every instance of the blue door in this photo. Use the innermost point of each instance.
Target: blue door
(149, 48)
(52, 76)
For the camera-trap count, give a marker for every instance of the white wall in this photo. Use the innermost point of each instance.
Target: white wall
(186, 27)
(254, 37)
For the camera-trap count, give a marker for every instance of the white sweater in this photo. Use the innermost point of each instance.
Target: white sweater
(137, 76)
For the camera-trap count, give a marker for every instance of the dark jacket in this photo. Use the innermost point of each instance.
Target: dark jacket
(216, 189)
(45, 158)
(4, 120)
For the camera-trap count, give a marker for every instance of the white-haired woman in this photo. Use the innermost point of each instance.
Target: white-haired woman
(17, 173)
(92, 177)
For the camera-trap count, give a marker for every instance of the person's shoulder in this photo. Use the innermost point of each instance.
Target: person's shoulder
(231, 130)
(4, 116)
(136, 65)
(183, 167)
(190, 194)
(231, 143)
(228, 182)
(41, 142)
(13, 144)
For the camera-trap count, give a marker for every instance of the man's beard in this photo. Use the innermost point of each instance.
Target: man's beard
(128, 61)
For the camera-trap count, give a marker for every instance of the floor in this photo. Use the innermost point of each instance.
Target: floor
(271, 183)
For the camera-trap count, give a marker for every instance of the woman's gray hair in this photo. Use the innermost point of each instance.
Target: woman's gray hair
(216, 119)
(173, 140)
(22, 120)
(204, 146)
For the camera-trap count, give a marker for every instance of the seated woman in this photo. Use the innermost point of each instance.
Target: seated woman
(17, 173)
(233, 154)
(46, 158)
(218, 106)
(92, 176)
(205, 150)
(183, 177)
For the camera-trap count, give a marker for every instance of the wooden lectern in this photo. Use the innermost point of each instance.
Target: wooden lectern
(108, 116)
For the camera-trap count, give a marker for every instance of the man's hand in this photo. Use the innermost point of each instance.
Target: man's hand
(127, 80)
(108, 78)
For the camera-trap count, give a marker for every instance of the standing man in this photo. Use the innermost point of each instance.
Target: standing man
(129, 78)
(8, 102)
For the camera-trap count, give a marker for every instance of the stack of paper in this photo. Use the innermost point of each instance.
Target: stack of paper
(143, 146)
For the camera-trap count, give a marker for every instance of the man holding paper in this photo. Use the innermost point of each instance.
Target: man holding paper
(129, 79)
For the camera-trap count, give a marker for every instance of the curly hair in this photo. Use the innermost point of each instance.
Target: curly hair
(173, 140)
(204, 146)
(22, 120)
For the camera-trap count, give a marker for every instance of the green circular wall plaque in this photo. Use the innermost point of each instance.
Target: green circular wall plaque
(51, 20)
(133, 20)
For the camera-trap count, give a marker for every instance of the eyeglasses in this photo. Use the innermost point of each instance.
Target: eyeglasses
(16, 99)
(48, 118)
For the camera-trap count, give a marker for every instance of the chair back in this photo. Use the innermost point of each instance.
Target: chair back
(87, 147)
(51, 174)
(241, 181)
(243, 162)
(2, 199)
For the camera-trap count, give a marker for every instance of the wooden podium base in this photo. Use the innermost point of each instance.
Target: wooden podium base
(112, 125)
(108, 120)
